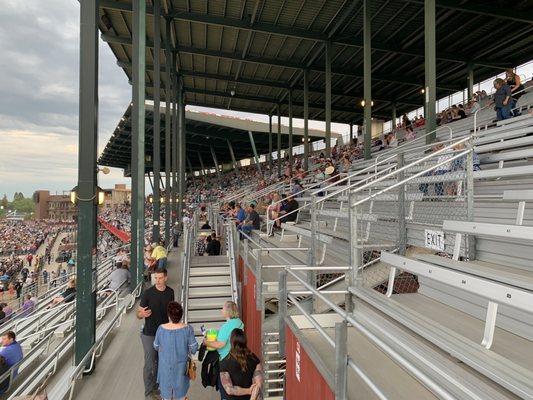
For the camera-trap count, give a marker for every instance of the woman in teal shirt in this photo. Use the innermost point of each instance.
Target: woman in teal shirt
(222, 344)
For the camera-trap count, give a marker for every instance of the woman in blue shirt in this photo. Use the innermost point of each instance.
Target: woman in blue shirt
(174, 341)
(222, 344)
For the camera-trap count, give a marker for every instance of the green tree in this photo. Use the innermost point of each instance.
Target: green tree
(4, 203)
(23, 205)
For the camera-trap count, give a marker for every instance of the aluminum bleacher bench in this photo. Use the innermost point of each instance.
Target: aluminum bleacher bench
(501, 370)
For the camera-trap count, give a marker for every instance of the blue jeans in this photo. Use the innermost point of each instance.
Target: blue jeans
(504, 112)
(162, 263)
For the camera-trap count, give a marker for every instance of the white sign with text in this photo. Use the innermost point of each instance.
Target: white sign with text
(434, 240)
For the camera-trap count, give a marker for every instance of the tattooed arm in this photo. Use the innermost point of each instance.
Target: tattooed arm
(231, 390)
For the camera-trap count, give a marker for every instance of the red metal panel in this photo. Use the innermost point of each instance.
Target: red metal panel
(310, 385)
(250, 315)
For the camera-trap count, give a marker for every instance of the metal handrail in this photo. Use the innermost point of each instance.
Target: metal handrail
(387, 349)
(230, 231)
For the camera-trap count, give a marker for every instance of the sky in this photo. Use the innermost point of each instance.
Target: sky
(39, 97)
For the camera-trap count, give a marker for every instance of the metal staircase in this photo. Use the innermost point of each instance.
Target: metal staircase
(273, 366)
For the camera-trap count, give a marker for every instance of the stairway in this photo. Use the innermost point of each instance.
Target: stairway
(209, 288)
(274, 367)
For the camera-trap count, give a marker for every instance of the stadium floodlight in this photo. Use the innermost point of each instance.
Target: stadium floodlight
(99, 197)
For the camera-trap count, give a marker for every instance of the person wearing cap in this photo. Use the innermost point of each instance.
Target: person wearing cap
(159, 254)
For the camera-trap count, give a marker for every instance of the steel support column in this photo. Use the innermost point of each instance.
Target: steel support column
(137, 142)
(402, 225)
(341, 360)
(279, 141)
(87, 180)
(192, 172)
(351, 132)
(156, 156)
(175, 150)
(367, 72)
(430, 65)
(168, 131)
(181, 150)
(254, 149)
(306, 119)
(214, 155)
(328, 99)
(270, 147)
(291, 157)
(393, 115)
(470, 81)
(201, 163)
(233, 159)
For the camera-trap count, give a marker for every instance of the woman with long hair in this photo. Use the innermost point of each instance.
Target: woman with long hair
(241, 374)
(174, 342)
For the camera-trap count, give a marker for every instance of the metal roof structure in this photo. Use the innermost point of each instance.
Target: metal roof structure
(203, 131)
(245, 55)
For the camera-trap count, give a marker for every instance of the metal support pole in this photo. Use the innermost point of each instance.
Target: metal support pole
(402, 227)
(393, 115)
(181, 151)
(328, 99)
(282, 311)
(201, 163)
(87, 180)
(470, 81)
(341, 360)
(270, 147)
(168, 131)
(306, 119)
(137, 142)
(291, 159)
(471, 240)
(279, 141)
(214, 155)
(430, 64)
(351, 132)
(355, 251)
(367, 81)
(156, 157)
(256, 156)
(175, 149)
(311, 255)
(233, 160)
(192, 172)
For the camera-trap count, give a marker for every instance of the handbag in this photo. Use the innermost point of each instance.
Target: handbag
(190, 370)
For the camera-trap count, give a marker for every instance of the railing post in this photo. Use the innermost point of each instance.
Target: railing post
(258, 281)
(282, 311)
(402, 228)
(341, 360)
(311, 255)
(471, 241)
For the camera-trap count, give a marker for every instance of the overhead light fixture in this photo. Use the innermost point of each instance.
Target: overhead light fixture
(232, 92)
(422, 90)
(363, 103)
(98, 198)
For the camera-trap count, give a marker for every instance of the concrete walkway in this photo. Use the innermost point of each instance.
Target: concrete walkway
(118, 374)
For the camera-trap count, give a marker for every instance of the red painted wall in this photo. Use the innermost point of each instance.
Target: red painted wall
(250, 315)
(311, 385)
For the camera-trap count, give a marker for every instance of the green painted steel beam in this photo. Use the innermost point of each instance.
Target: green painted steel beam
(87, 181)
(138, 142)
(367, 55)
(156, 156)
(168, 134)
(430, 69)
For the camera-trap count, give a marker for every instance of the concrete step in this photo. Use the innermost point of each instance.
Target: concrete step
(195, 281)
(213, 291)
(207, 303)
(213, 315)
(210, 270)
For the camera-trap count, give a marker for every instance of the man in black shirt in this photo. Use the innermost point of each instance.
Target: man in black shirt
(289, 214)
(153, 308)
(213, 246)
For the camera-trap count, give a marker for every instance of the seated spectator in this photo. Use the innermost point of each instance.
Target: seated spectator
(502, 99)
(159, 254)
(252, 221)
(296, 188)
(240, 214)
(205, 225)
(11, 350)
(119, 277)
(213, 245)
(2, 313)
(28, 305)
(289, 214)
(4, 385)
(67, 296)
(461, 111)
(407, 124)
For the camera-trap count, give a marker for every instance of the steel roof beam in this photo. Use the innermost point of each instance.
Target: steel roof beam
(110, 38)
(297, 33)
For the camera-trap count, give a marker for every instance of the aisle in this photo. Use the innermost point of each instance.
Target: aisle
(118, 375)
